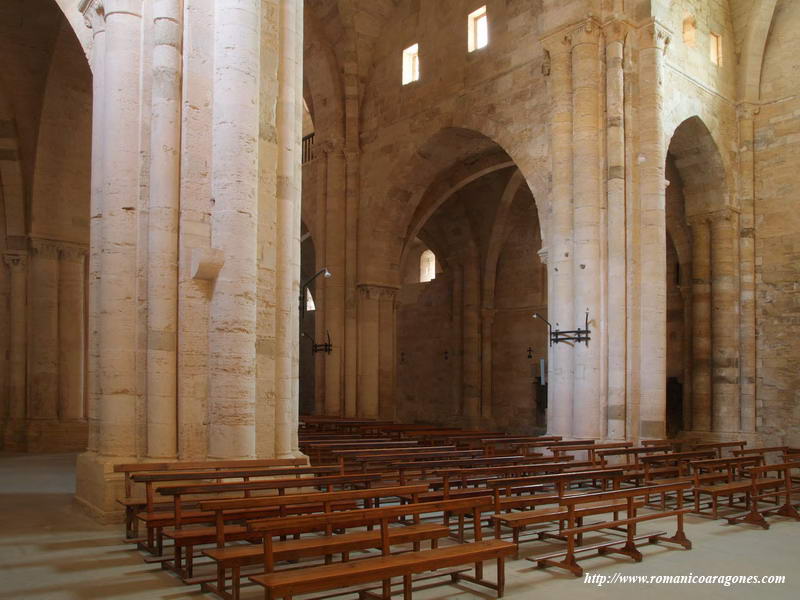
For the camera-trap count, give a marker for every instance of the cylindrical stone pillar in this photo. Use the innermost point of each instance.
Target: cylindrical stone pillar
(725, 321)
(162, 257)
(616, 309)
(487, 339)
(17, 334)
(587, 416)
(98, 24)
(369, 351)
(701, 325)
(289, 119)
(471, 338)
(232, 313)
(43, 331)
(652, 357)
(71, 332)
(335, 232)
(560, 293)
(118, 310)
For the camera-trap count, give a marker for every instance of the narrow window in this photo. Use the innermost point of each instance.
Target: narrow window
(689, 31)
(477, 29)
(427, 266)
(310, 301)
(411, 64)
(715, 48)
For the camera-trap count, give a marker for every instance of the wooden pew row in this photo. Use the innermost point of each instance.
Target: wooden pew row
(762, 486)
(156, 520)
(631, 498)
(286, 583)
(235, 557)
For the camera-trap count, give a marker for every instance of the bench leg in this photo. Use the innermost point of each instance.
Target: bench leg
(221, 578)
(501, 576)
(236, 584)
(406, 587)
(387, 589)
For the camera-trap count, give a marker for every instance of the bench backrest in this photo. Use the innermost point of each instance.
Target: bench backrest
(230, 474)
(318, 497)
(208, 465)
(267, 484)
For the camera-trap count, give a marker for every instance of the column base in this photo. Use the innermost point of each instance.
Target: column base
(97, 487)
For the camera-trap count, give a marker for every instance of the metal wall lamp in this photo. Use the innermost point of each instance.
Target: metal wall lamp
(574, 335)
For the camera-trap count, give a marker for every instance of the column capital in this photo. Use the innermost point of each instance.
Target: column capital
(73, 252)
(616, 30)
(94, 15)
(558, 42)
(722, 215)
(543, 255)
(654, 34)
(588, 31)
(15, 260)
(747, 110)
(45, 248)
(373, 291)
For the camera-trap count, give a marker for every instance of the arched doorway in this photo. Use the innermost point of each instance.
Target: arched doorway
(45, 126)
(468, 352)
(703, 287)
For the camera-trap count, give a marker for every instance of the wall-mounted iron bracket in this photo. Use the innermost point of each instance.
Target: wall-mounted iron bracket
(573, 335)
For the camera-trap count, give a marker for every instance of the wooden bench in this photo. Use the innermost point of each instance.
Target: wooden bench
(519, 520)
(719, 447)
(721, 477)
(575, 530)
(782, 485)
(590, 449)
(236, 557)
(176, 516)
(287, 583)
(133, 505)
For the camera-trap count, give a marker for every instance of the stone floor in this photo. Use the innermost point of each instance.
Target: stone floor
(49, 549)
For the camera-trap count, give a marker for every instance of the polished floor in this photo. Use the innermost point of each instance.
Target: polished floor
(49, 549)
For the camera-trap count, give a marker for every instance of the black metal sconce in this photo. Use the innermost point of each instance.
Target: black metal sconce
(402, 358)
(327, 346)
(446, 355)
(573, 335)
(530, 353)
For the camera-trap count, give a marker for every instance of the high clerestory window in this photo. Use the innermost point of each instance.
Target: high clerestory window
(689, 31)
(477, 29)
(427, 267)
(715, 48)
(411, 64)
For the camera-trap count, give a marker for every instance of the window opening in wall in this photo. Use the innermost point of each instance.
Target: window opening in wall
(310, 301)
(427, 267)
(689, 31)
(411, 64)
(715, 49)
(477, 29)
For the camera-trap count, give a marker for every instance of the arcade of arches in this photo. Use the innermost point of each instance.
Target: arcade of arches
(173, 173)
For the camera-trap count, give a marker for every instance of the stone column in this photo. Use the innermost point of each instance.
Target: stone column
(289, 120)
(118, 308)
(43, 331)
(369, 351)
(162, 256)
(95, 19)
(17, 345)
(616, 248)
(232, 313)
(387, 329)
(652, 366)
(71, 332)
(560, 296)
(746, 113)
(588, 399)
(487, 339)
(471, 338)
(725, 321)
(335, 231)
(701, 325)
